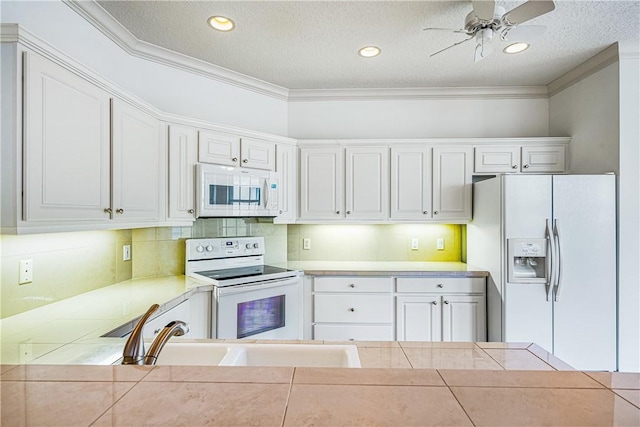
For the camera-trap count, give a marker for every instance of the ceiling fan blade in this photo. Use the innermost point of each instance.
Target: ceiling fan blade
(445, 29)
(446, 48)
(484, 9)
(523, 33)
(529, 10)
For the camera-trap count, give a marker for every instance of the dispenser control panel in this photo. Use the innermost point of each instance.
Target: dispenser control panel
(527, 262)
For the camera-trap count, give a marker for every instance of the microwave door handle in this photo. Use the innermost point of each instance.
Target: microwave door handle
(552, 257)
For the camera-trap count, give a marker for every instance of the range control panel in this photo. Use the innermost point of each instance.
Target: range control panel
(225, 247)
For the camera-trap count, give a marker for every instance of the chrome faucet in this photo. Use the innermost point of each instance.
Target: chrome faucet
(176, 328)
(133, 353)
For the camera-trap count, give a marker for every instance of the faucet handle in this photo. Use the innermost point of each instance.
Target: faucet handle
(133, 353)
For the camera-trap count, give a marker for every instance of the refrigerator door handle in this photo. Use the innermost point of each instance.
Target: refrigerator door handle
(556, 238)
(552, 258)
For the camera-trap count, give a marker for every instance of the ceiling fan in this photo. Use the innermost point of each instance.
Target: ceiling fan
(488, 20)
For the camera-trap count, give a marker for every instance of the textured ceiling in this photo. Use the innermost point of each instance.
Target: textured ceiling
(313, 44)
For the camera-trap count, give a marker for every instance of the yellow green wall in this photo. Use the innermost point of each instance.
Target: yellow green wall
(68, 264)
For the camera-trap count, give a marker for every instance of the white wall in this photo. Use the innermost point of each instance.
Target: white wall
(419, 118)
(168, 89)
(629, 208)
(601, 113)
(588, 111)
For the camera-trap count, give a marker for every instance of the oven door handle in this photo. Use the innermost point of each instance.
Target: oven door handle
(255, 286)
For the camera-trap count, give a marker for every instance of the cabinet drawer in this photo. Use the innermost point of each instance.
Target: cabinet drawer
(352, 284)
(353, 308)
(353, 333)
(440, 285)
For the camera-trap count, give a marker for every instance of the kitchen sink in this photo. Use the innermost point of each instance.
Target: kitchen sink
(227, 354)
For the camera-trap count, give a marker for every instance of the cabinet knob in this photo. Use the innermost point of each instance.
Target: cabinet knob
(280, 212)
(235, 159)
(352, 309)
(436, 212)
(351, 285)
(434, 302)
(425, 212)
(107, 210)
(337, 212)
(514, 167)
(439, 285)
(190, 211)
(120, 211)
(526, 166)
(245, 161)
(348, 212)
(446, 302)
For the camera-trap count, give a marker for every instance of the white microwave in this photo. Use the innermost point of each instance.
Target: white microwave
(223, 192)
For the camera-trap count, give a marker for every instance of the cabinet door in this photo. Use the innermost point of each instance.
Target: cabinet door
(182, 160)
(258, 154)
(410, 182)
(66, 145)
(543, 159)
(286, 169)
(367, 182)
(137, 176)
(452, 181)
(497, 159)
(463, 318)
(321, 183)
(220, 148)
(418, 318)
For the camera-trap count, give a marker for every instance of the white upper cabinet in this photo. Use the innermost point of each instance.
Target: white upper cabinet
(452, 182)
(367, 183)
(138, 164)
(411, 183)
(542, 157)
(286, 169)
(183, 148)
(233, 150)
(66, 145)
(321, 183)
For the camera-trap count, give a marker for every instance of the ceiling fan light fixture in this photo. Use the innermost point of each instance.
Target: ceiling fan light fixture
(221, 23)
(516, 47)
(369, 51)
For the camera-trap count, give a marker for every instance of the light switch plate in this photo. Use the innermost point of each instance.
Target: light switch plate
(126, 252)
(440, 244)
(414, 244)
(306, 243)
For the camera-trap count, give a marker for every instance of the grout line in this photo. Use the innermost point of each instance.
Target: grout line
(286, 404)
(543, 361)
(455, 397)
(491, 357)
(407, 357)
(624, 398)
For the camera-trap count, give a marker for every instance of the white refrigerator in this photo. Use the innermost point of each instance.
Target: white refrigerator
(566, 226)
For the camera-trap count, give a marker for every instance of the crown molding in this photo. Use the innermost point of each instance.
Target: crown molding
(497, 92)
(105, 23)
(589, 67)
(629, 49)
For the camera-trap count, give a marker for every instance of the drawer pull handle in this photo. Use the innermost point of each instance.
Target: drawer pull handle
(352, 285)
(434, 302)
(440, 285)
(446, 302)
(352, 309)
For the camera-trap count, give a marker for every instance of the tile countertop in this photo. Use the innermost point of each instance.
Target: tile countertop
(386, 268)
(287, 396)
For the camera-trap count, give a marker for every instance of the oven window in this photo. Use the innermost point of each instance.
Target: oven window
(228, 195)
(257, 316)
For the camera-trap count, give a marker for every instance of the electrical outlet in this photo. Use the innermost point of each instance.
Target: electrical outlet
(414, 244)
(26, 271)
(126, 252)
(440, 244)
(306, 243)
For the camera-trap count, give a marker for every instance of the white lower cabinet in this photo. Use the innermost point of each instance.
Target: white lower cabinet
(194, 311)
(441, 309)
(353, 308)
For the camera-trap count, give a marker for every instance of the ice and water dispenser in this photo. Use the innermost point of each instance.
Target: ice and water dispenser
(527, 260)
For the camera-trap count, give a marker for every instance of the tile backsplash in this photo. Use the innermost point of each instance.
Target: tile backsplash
(68, 264)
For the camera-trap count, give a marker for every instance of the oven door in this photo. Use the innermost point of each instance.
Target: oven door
(264, 310)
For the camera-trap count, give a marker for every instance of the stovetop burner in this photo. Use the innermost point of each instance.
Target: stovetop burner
(235, 273)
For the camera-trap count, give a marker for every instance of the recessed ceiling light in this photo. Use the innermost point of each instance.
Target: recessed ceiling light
(369, 51)
(221, 23)
(516, 47)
